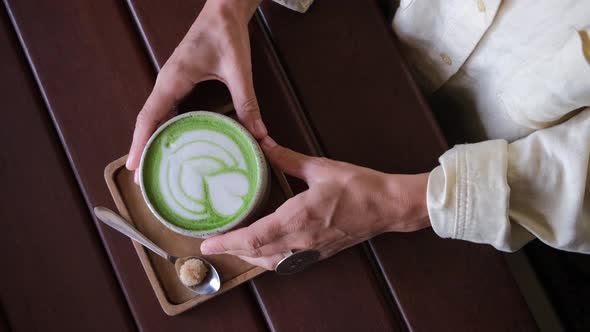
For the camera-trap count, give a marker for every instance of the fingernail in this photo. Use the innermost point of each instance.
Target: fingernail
(268, 142)
(260, 128)
(130, 161)
(136, 177)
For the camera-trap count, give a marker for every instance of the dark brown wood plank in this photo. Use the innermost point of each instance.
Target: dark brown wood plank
(319, 298)
(4, 324)
(95, 76)
(348, 67)
(349, 270)
(565, 277)
(55, 275)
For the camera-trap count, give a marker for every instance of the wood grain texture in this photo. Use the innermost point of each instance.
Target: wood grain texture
(321, 294)
(56, 275)
(290, 303)
(95, 76)
(348, 68)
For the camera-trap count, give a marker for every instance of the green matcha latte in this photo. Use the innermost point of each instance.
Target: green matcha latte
(202, 174)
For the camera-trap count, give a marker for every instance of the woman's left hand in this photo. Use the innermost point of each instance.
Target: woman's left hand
(344, 205)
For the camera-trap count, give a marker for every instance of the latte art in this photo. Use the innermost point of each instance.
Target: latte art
(202, 173)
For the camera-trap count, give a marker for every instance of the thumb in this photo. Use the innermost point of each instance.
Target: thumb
(170, 87)
(241, 87)
(293, 163)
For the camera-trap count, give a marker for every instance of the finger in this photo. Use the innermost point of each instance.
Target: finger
(241, 87)
(270, 235)
(289, 161)
(245, 240)
(297, 241)
(170, 87)
(268, 262)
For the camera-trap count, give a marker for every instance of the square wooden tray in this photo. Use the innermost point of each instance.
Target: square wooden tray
(172, 295)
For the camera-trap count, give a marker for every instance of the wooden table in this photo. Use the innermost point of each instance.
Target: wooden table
(330, 82)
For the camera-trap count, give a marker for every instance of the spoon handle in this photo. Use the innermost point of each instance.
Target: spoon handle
(117, 222)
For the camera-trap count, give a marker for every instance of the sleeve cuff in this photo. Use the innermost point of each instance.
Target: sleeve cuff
(468, 196)
(296, 5)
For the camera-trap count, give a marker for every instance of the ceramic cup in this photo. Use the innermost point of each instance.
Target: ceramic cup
(176, 147)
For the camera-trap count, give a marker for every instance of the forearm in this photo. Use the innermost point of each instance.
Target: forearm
(238, 9)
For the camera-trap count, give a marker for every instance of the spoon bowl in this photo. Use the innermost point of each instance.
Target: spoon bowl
(209, 285)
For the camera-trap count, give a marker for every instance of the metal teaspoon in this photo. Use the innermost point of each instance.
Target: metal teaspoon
(209, 285)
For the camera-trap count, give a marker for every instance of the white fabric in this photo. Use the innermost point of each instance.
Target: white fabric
(516, 76)
(297, 5)
(529, 71)
(438, 36)
(545, 90)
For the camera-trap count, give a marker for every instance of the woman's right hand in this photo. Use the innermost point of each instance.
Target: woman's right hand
(217, 46)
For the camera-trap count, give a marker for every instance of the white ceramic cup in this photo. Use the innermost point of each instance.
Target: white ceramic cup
(260, 194)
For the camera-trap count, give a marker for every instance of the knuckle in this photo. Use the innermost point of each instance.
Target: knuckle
(250, 106)
(184, 49)
(253, 243)
(172, 72)
(177, 67)
(167, 73)
(311, 240)
(307, 242)
(167, 81)
(143, 118)
(220, 246)
(303, 219)
(321, 161)
(255, 253)
(307, 217)
(179, 61)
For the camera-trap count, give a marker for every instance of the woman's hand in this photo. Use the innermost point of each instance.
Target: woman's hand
(344, 205)
(217, 46)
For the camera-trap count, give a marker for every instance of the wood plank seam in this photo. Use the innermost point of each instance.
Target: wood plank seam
(119, 89)
(286, 29)
(296, 98)
(378, 272)
(54, 132)
(160, 39)
(224, 109)
(316, 148)
(387, 282)
(73, 169)
(143, 36)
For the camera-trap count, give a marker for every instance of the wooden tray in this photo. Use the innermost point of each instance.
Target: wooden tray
(172, 295)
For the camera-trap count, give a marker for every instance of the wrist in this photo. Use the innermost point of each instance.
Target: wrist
(408, 202)
(236, 9)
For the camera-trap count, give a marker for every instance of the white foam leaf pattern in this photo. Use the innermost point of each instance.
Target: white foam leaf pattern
(226, 191)
(198, 163)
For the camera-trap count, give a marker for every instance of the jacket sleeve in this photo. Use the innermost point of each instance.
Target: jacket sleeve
(297, 5)
(507, 194)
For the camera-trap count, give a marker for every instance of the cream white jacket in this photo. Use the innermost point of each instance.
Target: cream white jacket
(516, 74)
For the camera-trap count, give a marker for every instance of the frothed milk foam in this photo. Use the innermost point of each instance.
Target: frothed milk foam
(201, 172)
